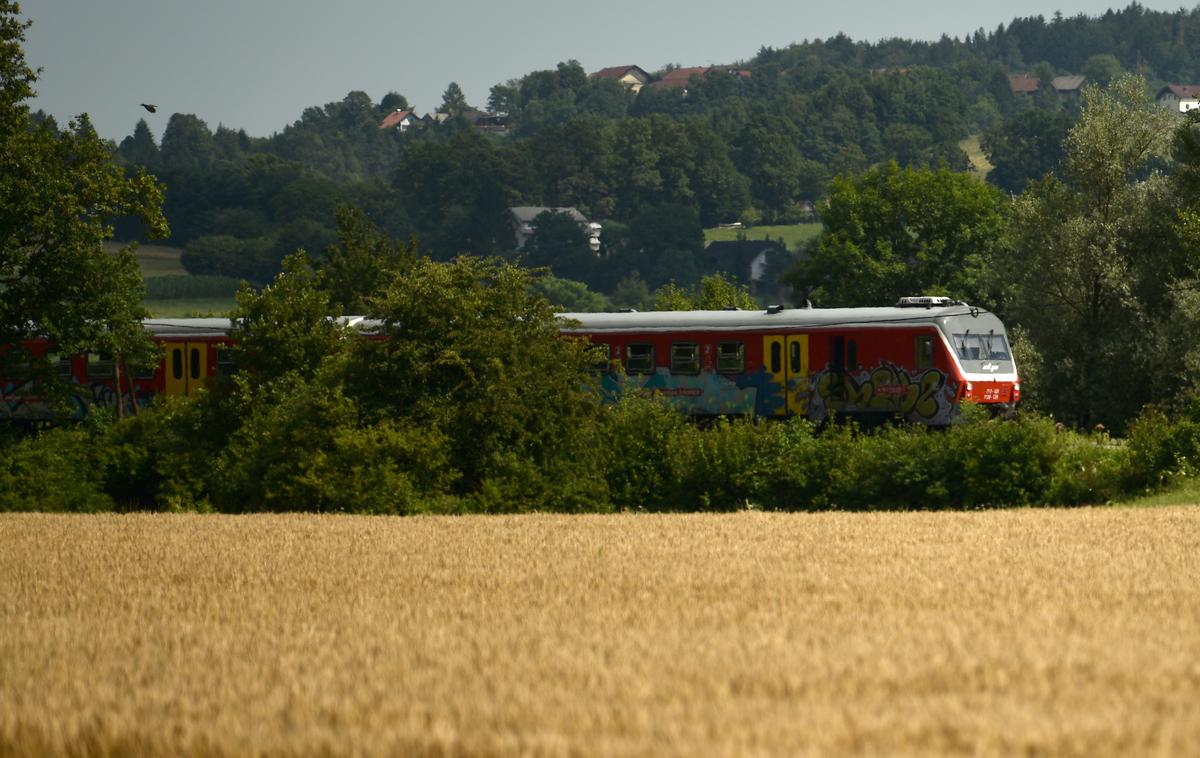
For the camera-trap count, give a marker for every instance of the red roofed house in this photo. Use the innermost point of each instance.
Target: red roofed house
(633, 78)
(679, 78)
(1024, 83)
(1179, 98)
(398, 119)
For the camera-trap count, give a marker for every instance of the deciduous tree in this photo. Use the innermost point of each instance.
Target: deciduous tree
(60, 193)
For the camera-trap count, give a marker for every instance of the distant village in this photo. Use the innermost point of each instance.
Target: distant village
(633, 78)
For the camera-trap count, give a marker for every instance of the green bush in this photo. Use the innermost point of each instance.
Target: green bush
(301, 449)
(55, 470)
(161, 458)
(636, 434)
(1162, 450)
(1089, 469)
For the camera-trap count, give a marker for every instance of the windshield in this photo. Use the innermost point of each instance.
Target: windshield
(981, 347)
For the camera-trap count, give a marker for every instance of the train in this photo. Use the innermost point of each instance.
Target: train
(918, 360)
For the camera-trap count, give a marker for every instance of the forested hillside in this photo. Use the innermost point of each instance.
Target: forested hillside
(751, 141)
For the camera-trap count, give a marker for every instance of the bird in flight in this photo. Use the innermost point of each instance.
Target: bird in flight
(150, 107)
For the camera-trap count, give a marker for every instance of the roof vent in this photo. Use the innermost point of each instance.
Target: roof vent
(774, 309)
(924, 301)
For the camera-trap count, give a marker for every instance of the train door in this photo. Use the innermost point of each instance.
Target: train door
(786, 360)
(186, 367)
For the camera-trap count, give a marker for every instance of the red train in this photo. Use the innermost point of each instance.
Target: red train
(918, 360)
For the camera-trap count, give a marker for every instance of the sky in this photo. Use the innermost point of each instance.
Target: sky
(257, 64)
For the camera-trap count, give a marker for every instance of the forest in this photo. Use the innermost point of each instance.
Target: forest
(1083, 238)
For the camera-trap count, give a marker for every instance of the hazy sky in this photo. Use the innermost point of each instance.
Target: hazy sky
(256, 65)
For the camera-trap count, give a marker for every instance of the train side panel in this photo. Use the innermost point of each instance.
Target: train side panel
(817, 373)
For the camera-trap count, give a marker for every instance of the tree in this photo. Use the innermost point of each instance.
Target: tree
(1102, 69)
(60, 193)
(471, 352)
(454, 101)
(187, 144)
(892, 232)
(716, 292)
(665, 243)
(139, 149)
(393, 101)
(357, 267)
(1025, 148)
(559, 244)
(1102, 276)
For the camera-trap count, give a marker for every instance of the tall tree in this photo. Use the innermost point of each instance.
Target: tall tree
(139, 149)
(1100, 276)
(59, 195)
(891, 232)
(453, 99)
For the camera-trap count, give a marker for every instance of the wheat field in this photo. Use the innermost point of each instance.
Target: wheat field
(1029, 631)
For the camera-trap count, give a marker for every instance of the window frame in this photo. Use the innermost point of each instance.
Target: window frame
(96, 363)
(740, 349)
(924, 351)
(645, 363)
(690, 367)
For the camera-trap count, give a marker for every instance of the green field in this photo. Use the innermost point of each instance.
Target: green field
(980, 166)
(161, 260)
(792, 234)
(191, 307)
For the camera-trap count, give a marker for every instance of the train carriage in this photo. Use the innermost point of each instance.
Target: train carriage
(918, 360)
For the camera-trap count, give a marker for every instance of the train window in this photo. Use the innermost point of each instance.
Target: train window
(639, 358)
(852, 354)
(100, 366)
(981, 347)
(177, 363)
(925, 352)
(225, 364)
(194, 363)
(776, 357)
(18, 364)
(731, 357)
(794, 357)
(61, 364)
(685, 358)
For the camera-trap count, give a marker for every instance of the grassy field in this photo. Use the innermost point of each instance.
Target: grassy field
(1029, 631)
(792, 235)
(155, 260)
(160, 260)
(190, 307)
(980, 165)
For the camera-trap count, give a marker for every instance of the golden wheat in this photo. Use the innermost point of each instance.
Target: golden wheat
(1037, 631)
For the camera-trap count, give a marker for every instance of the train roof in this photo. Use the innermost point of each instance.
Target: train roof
(771, 318)
(220, 327)
(651, 321)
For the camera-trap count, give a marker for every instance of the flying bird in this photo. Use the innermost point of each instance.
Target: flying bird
(150, 107)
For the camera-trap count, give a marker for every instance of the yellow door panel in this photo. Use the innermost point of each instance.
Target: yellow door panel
(786, 360)
(186, 367)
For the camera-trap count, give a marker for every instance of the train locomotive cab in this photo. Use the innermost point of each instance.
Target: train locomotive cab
(978, 345)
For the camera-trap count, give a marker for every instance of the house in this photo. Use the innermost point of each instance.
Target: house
(747, 260)
(679, 78)
(632, 78)
(524, 226)
(1179, 98)
(399, 119)
(1068, 86)
(1024, 84)
(481, 120)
